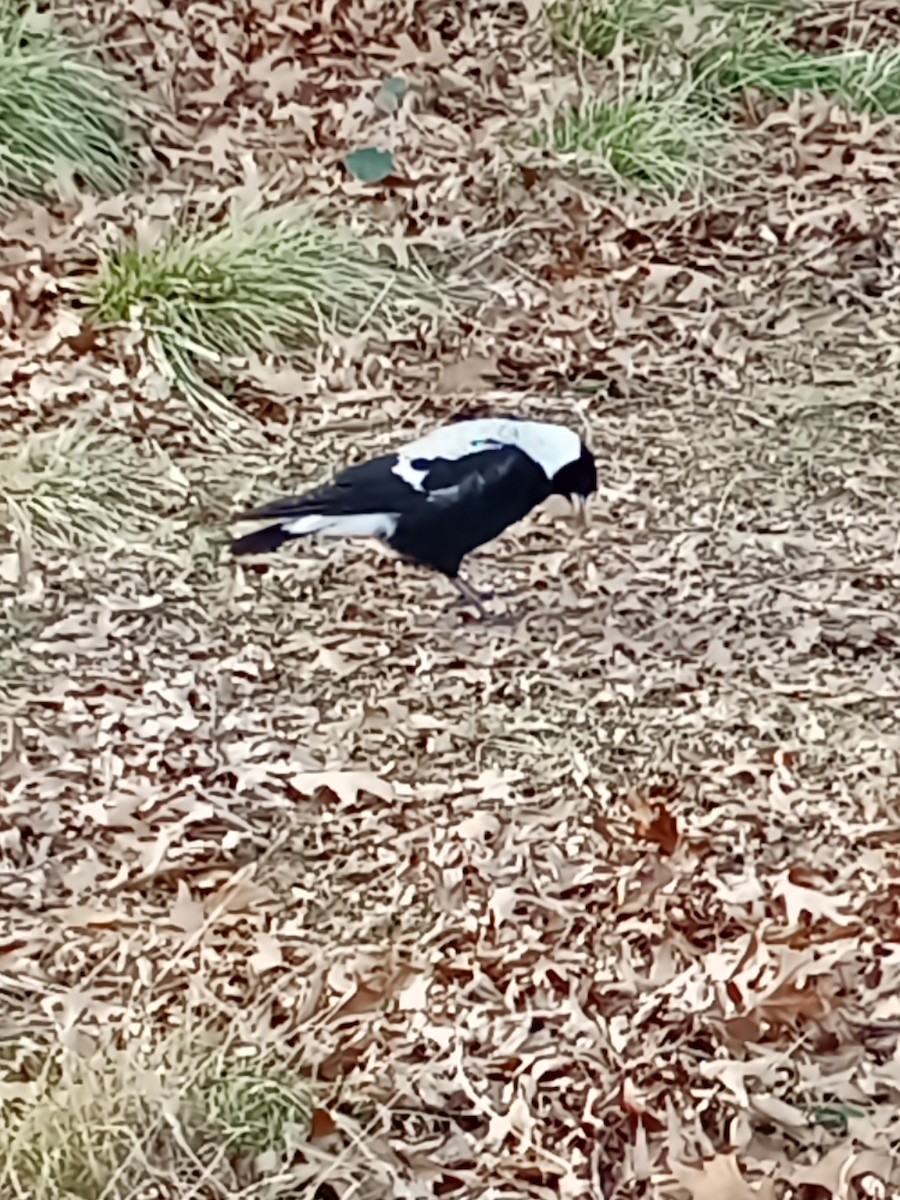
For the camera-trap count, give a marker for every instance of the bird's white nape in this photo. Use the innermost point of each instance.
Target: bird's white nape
(552, 447)
(350, 525)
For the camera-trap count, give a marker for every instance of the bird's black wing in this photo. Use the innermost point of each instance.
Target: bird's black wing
(470, 500)
(369, 487)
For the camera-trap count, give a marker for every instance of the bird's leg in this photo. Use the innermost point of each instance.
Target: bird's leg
(470, 596)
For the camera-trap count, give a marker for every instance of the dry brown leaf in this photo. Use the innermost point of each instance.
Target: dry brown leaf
(662, 831)
(85, 916)
(836, 1170)
(268, 954)
(468, 374)
(798, 899)
(346, 785)
(187, 913)
(364, 999)
(791, 1006)
(720, 1178)
(322, 1124)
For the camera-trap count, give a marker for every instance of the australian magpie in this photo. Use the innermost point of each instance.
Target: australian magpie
(437, 498)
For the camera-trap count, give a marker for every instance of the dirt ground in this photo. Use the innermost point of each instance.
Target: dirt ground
(604, 904)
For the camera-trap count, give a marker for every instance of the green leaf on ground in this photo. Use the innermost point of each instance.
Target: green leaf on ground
(370, 165)
(391, 93)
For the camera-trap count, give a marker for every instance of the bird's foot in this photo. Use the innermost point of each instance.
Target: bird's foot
(488, 618)
(504, 620)
(473, 599)
(468, 597)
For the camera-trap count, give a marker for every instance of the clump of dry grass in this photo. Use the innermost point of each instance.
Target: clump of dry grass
(60, 114)
(80, 485)
(70, 1126)
(107, 1121)
(274, 281)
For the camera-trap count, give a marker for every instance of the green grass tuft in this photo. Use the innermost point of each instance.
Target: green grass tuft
(276, 281)
(595, 27)
(866, 81)
(60, 115)
(103, 1124)
(251, 1106)
(754, 9)
(651, 143)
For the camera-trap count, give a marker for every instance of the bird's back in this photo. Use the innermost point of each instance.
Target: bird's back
(470, 501)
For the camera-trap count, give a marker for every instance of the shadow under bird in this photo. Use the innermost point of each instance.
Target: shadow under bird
(440, 496)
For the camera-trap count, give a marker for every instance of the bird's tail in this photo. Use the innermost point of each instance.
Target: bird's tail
(300, 516)
(284, 509)
(264, 541)
(261, 541)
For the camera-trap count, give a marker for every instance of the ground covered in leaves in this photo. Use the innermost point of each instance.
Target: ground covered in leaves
(604, 904)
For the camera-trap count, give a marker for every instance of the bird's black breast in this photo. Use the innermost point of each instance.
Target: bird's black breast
(470, 500)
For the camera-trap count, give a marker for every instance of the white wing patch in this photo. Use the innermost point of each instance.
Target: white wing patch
(552, 447)
(352, 525)
(414, 476)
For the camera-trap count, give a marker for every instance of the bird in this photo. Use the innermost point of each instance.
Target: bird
(440, 496)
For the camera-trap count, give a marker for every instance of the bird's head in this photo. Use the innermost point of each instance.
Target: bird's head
(578, 478)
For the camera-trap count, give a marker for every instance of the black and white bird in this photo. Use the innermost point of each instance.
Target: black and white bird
(440, 496)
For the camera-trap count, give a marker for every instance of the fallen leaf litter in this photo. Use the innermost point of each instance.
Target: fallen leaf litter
(601, 902)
